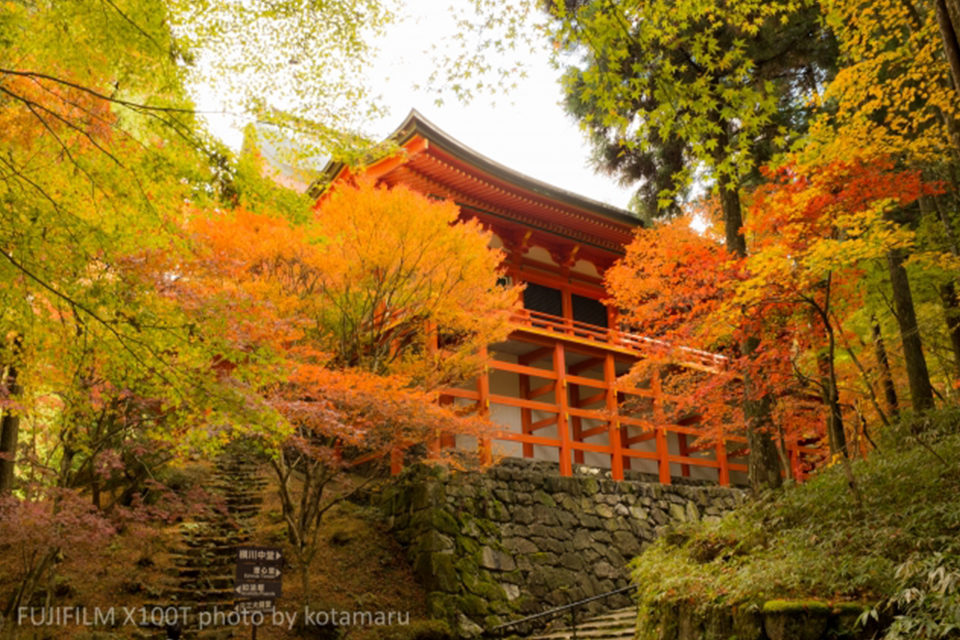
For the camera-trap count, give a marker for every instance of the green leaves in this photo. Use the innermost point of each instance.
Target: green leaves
(706, 79)
(102, 161)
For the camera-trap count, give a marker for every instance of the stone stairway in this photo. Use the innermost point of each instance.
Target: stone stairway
(619, 624)
(205, 564)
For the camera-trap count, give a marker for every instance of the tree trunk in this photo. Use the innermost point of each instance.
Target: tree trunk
(931, 205)
(835, 433)
(948, 34)
(886, 377)
(9, 435)
(10, 425)
(732, 218)
(948, 19)
(831, 400)
(763, 463)
(951, 312)
(921, 392)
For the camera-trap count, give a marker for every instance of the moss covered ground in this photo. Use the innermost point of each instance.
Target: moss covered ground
(896, 553)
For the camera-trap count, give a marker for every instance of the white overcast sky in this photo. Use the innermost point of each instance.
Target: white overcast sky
(527, 130)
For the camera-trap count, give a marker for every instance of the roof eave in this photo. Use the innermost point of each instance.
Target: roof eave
(415, 123)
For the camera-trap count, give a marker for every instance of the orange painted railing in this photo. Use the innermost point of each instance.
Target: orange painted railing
(559, 398)
(603, 337)
(622, 432)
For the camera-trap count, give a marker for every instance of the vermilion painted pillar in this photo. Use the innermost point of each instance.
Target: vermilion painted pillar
(576, 422)
(526, 418)
(684, 448)
(483, 387)
(663, 453)
(614, 433)
(563, 428)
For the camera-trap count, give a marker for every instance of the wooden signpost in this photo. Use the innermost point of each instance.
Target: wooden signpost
(258, 579)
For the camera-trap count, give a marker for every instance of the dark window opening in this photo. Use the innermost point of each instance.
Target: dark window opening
(537, 297)
(589, 310)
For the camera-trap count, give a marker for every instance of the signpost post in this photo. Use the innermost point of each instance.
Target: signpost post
(258, 579)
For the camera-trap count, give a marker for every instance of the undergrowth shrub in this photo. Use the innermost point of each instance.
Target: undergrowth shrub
(897, 554)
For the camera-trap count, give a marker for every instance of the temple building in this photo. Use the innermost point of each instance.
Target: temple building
(552, 387)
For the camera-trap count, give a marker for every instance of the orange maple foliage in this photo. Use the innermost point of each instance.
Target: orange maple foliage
(393, 265)
(670, 280)
(812, 231)
(331, 322)
(329, 330)
(671, 285)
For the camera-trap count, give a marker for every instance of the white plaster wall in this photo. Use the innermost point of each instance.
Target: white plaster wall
(540, 255)
(509, 419)
(586, 268)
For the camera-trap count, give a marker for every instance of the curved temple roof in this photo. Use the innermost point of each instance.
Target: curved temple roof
(433, 162)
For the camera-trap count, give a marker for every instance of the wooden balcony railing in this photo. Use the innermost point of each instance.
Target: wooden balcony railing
(591, 415)
(624, 340)
(581, 410)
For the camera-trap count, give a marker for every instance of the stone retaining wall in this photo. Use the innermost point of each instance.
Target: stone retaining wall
(775, 620)
(519, 538)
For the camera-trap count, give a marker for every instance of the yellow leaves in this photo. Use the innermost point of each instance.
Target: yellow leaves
(364, 281)
(835, 459)
(894, 86)
(943, 261)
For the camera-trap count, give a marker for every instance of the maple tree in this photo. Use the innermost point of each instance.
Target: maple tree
(104, 379)
(815, 229)
(41, 534)
(329, 325)
(896, 95)
(676, 284)
(814, 232)
(102, 144)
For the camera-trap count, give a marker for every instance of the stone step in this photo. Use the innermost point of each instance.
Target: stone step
(209, 582)
(238, 483)
(243, 508)
(241, 500)
(233, 507)
(627, 614)
(227, 633)
(192, 573)
(218, 539)
(245, 498)
(204, 565)
(233, 481)
(191, 631)
(220, 564)
(187, 596)
(249, 472)
(208, 551)
(234, 485)
(619, 624)
(219, 522)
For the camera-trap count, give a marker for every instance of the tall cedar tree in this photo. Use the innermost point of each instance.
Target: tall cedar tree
(669, 89)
